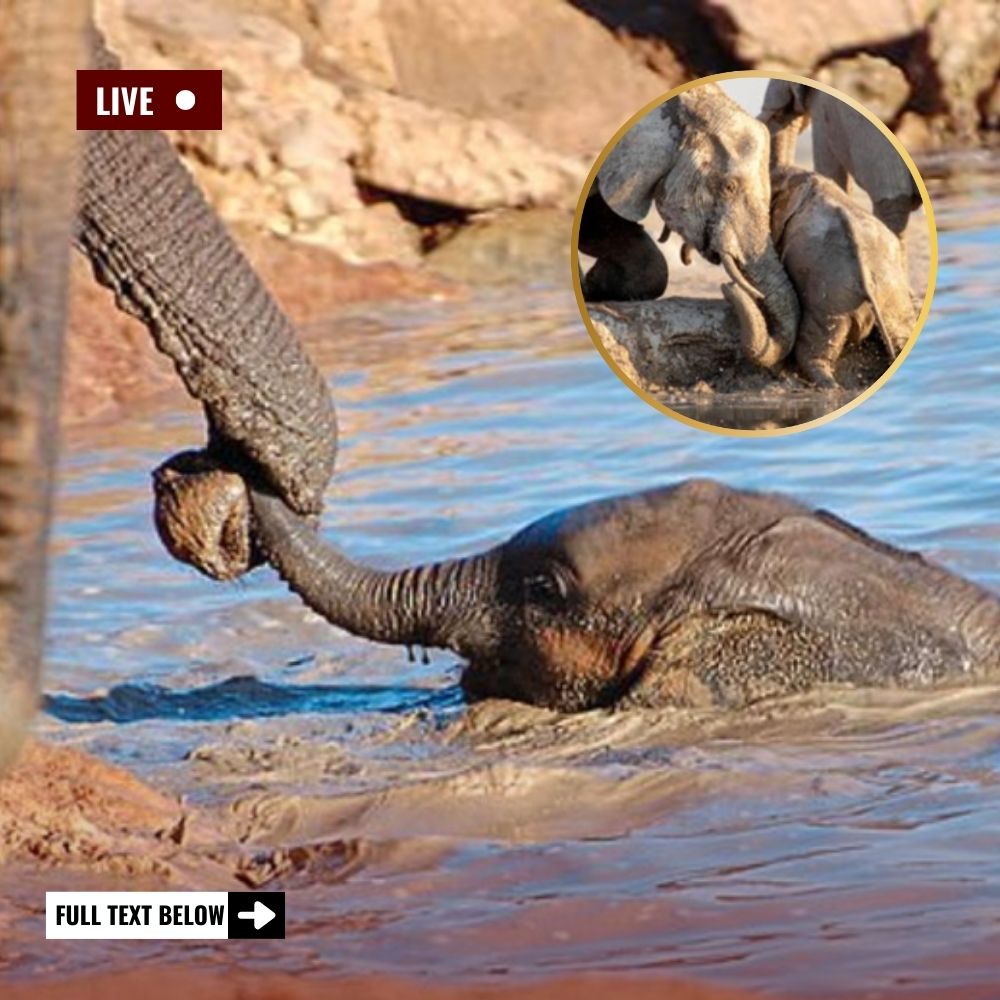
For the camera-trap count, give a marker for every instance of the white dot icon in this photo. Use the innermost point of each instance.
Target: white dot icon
(184, 100)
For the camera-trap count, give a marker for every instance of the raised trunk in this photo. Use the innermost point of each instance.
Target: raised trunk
(39, 50)
(153, 239)
(769, 326)
(444, 604)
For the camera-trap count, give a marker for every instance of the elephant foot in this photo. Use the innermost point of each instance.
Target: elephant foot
(820, 373)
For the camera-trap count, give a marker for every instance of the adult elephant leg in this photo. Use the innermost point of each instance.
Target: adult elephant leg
(828, 162)
(630, 266)
(154, 240)
(40, 46)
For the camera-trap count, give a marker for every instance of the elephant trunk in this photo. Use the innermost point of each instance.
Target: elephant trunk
(156, 243)
(439, 604)
(766, 304)
(783, 139)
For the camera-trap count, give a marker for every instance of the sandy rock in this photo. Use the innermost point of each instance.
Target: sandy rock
(878, 84)
(355, 40)
(918, 132)
(371, 233)
(278, 116)
(544, 68)
(776, 33)
(512, 248)
(964, 48)
(445, 157)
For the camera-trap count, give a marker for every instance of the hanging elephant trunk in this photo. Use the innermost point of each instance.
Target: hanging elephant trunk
(766, 305)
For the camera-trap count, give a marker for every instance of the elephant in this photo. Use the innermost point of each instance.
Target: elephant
(683, 595)
(845, 145)
(40, 48)
(703, 161)
(629, 267)
(690, 595)
(154, 240)
(847, 268)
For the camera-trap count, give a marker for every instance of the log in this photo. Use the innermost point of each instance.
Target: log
(683, 342)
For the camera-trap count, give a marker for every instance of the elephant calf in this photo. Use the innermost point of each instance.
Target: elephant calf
(848, 269)
(692, 595)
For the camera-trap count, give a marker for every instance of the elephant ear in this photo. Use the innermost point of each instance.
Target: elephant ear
(644, 154)
(823, 573)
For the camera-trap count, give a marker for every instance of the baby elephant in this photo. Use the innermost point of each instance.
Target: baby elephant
(848, 268)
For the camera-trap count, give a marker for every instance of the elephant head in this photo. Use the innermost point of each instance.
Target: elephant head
(694, 593)
(703, 161)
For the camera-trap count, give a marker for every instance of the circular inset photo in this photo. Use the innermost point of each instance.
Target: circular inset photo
(754, 253)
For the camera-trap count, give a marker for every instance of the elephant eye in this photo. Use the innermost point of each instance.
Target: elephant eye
(547, 587)
(731, 186)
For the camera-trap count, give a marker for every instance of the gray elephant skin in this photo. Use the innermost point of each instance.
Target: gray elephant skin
(703, 161)
(845, 145)
(848, 269)
(693, 595)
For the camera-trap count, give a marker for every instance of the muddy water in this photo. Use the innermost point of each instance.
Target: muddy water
(845, 843)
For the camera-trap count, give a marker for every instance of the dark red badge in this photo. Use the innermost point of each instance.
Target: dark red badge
(149, 98)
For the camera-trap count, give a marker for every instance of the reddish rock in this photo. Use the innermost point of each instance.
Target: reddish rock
(777, 33)
(546, 69)
(877, 83)
(964, 50)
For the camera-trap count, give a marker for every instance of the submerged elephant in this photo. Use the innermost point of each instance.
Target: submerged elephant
(691, 595)
(703, 161)
(845, 144)
(849, 271)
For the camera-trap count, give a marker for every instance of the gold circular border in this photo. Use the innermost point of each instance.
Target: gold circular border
(931, 274)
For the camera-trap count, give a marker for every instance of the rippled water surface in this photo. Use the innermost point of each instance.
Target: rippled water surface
(849, 843)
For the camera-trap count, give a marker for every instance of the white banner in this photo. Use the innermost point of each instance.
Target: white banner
(193, 915)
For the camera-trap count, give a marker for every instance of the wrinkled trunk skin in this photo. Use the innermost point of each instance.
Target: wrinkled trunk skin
(154, 240)
(769, 336)
(444, 605)
(40, 46)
